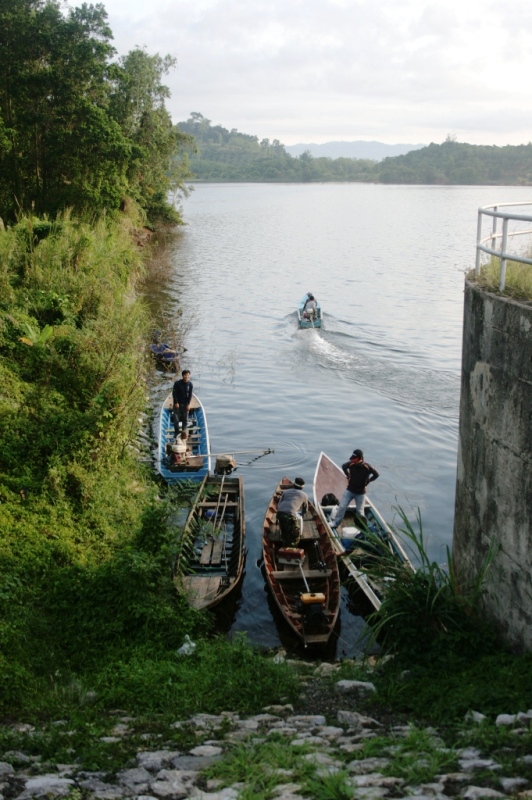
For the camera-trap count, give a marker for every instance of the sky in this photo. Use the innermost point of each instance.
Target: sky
(313, 71)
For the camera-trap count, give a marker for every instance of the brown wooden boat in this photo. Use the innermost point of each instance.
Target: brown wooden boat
(211, 560)
(304, 580)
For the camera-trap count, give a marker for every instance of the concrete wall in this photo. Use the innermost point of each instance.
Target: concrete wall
(494, 478)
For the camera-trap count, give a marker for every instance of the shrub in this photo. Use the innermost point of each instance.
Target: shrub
(428, 611)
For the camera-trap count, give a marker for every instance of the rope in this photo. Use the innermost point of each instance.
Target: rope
(265, 453)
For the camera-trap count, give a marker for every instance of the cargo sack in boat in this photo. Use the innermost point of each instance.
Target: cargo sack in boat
(312, 598)
(329, 499)
(291, 555)
(351, 537)
(351, 533)
(224, 465)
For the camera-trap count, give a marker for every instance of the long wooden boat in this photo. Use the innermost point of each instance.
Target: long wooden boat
(308, 322)
(197, 462)
(354, 546)
(304, 580)
(212, 554)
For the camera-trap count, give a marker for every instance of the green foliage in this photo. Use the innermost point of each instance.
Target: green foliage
(228, 155)
(518, 282)
(84, 735)
(444, 690)
(77, 130)
(428, 612)
(256, 767)
(219, 675)
(417, 758)
(138, 105)
(89, 615)
(439, 646)
(223, 155)
(459, 163)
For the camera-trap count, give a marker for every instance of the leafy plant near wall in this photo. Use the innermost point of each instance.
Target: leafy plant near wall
(428, 611)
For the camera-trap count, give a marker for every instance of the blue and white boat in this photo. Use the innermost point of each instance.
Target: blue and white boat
(349, 540)
(195, 463)
(310, 317)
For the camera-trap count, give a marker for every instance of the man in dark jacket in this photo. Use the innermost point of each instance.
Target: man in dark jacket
(358, 473)
(292, 501)
(182, 397)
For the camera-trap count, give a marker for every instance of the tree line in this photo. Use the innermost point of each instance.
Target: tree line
(78, 127)
(228, 155)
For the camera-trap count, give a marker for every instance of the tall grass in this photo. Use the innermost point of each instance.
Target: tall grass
(88, 608)
(518, 283)
(429, 609)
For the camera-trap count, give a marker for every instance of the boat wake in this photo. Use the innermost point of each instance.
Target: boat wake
(406, 377)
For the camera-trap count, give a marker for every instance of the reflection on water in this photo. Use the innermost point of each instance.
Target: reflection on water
(383, 373)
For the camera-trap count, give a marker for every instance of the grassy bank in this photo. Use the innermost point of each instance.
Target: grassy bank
(89, 619)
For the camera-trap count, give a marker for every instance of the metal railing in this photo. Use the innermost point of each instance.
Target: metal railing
(505, 237)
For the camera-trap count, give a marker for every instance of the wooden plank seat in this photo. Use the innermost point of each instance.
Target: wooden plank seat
(286, 574)
(212, 552)
(206, 553)
(214, 503)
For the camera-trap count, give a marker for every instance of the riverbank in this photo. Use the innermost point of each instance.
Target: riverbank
(334, 741)
(91, 672)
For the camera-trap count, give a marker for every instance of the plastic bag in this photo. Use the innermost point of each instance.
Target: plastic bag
(188, 647)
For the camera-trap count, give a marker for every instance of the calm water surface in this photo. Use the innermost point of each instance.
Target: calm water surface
(387, 264)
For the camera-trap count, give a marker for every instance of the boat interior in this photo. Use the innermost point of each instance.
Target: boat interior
(214, 546)
(193, 462)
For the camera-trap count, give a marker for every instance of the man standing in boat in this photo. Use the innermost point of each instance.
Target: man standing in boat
(182, 397)
(292, 500)
(358, 474)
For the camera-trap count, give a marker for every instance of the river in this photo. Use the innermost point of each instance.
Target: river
(387, 264)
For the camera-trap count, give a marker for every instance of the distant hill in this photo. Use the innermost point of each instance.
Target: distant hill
(228, 155)
(375, 151)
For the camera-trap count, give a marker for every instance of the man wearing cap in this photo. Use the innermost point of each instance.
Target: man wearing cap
(292, 500)
(358, 474)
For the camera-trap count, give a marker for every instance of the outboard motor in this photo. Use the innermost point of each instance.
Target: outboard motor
(224, 465)
(312, 606)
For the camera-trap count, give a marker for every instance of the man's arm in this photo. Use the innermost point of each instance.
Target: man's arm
(373, 474)
(174, 394)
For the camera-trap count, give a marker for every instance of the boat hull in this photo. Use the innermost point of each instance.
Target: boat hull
(200, 464)
(307, 591)
(348, 540)
(212, 548)
(308, 323)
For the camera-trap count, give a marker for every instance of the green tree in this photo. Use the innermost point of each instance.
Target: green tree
(76, 129)
(138, 105)
(59, 146)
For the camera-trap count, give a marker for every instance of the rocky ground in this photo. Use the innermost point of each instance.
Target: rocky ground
(323, 748)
